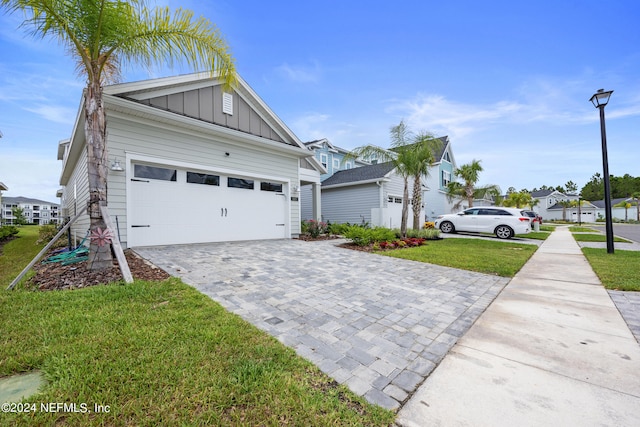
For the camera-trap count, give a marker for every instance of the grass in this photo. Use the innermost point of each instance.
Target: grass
(17, 253)
(536, 235)
(615, 271)
(159, 353)
(597, 238)
(484, 256)
(577, 229)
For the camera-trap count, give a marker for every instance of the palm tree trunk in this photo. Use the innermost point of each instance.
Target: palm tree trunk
(95, 131)
(405, 208)
(417, 202)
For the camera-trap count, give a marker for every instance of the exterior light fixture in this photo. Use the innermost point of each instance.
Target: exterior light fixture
(115, 166)
(600, 99)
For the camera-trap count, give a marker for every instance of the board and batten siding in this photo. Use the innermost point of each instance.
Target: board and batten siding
(206, 104)
(350, 204)
(164, 144)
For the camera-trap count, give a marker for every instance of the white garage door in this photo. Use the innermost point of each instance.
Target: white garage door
(177, 206)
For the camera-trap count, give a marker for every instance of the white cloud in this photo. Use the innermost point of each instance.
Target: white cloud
(58, 114)
(300, 73)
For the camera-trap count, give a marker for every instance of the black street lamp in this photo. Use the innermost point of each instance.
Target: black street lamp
(600, 99)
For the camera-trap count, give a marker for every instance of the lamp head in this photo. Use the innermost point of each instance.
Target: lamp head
(601, 98)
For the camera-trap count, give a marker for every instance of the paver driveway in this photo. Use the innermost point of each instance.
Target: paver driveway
(379, 325)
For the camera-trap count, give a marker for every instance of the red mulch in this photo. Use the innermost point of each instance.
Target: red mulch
(56, 276)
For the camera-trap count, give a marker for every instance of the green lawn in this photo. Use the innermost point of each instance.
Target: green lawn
(577, 229)
(484, 256)
(159, 353)
(617, 271)
(596, 238)
(537, 235)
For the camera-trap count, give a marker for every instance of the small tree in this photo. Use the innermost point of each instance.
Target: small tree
(411, 155)
(18, 214)
(518, 200)
(626, 205)
(467, 190)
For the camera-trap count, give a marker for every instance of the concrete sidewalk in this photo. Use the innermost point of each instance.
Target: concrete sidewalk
(552, 350)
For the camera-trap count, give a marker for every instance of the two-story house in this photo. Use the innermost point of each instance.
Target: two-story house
(345, 183)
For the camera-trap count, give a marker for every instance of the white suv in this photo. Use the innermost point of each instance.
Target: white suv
(504, 222)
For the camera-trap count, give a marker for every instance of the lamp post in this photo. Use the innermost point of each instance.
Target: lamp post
(600, 99)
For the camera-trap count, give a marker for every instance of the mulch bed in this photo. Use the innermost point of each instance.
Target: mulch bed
(308, 238)
(56, 276)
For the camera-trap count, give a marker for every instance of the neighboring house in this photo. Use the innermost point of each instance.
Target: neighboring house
(588, 212)
(434, 197)
(190, 163)
(617, 212)
(332, 160)
(365, 195)
(332, 157)
(549, 206)
(441, 173)
(35, 211)
(2, 188)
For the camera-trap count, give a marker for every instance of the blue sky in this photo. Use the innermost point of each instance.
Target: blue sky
(508, 81)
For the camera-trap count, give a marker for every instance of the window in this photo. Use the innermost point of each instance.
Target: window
(336, 164)
(271, 186)
(153, 172)
(202, 178)
(446, 178)
(446, 157)
(323, 160)
(240, 183)
(349, 165)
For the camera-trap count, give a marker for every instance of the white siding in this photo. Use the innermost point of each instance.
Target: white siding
(76, 196)
(153, 140)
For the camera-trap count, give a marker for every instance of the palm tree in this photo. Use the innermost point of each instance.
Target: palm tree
(470, 174)
(410, 155)
(100, 35)
(626, 205)
(565, 204)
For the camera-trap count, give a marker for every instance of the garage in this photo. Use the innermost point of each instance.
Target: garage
(171, 205)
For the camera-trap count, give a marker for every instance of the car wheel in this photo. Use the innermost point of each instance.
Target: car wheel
(504, 232)
(447, 227)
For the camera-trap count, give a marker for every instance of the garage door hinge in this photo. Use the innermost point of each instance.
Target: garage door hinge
(138, 226)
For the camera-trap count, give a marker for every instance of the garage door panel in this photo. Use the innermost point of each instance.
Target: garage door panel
(181, 212)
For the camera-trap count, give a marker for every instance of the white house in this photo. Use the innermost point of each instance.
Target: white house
(191, 163)
(35, 211)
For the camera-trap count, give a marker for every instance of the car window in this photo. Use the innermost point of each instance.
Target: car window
(473, 211)
(494, 212)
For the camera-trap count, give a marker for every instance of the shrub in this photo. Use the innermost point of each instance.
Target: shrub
(316, 228)
(7, 231)
(425, 233)
(340, 229)
(362, 236)
(48, 232)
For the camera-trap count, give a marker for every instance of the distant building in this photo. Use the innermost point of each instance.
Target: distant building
(35, 211)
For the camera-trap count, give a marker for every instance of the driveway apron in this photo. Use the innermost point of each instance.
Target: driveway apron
(377, 324)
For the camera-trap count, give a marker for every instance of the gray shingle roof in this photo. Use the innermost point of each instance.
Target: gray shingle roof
(20, 199)
(364, 173)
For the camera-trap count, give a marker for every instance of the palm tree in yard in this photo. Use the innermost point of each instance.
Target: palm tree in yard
(411, 155)
(467, 190)
(100, 35)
